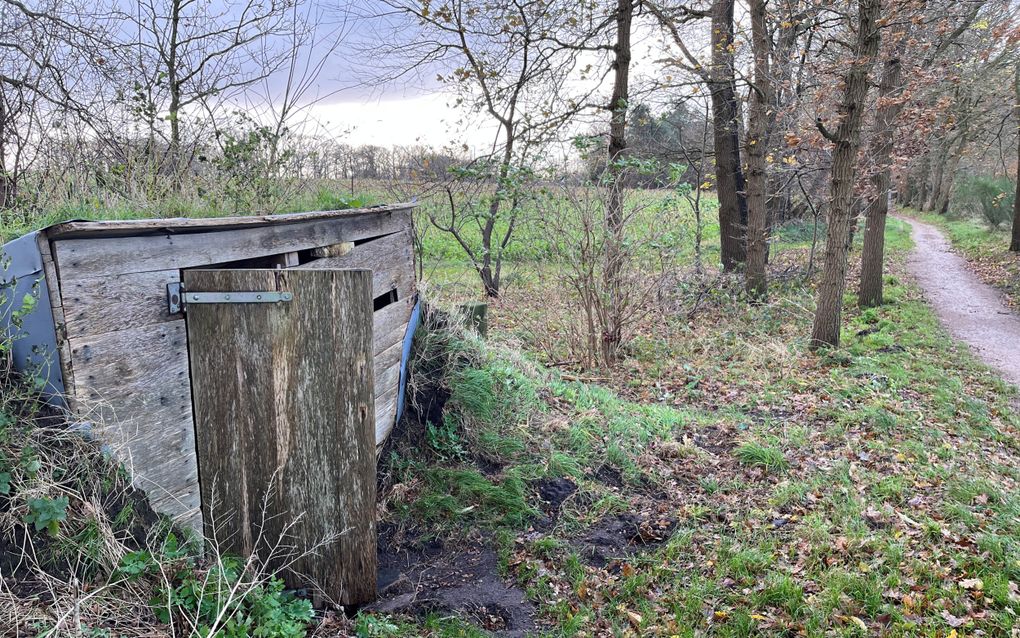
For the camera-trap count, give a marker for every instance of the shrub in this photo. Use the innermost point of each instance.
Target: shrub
(990, 198)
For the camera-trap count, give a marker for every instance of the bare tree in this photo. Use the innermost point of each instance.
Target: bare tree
(846, 138)
(504, 64)
(725, 109)
(614, 182)
(52, 55)
(196, 50)
(719, 76)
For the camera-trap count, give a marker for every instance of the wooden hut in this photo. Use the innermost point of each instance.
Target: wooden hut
(109, 330)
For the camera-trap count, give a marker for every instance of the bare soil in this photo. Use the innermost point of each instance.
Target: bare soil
(972, 311)
(419, 578)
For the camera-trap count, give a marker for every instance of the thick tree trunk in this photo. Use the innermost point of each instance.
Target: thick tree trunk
(847, 137)
(729, 176)
(870, 292)
(614, 215)
(759, 131)
(1014, 244)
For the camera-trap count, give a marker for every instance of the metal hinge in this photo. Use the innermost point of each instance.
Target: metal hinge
(178, 299)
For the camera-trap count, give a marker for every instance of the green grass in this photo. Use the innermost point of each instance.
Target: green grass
(860, 492)
(754, 454)
(887, 479)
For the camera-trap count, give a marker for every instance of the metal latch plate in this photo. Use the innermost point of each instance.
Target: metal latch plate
(178, 299)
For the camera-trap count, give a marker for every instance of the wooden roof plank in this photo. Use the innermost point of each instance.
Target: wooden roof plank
(127, 227)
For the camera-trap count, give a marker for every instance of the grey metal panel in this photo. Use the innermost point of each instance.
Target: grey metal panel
(34, 337)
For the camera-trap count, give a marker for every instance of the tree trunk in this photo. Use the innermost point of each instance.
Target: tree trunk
(614, 215)
(870, 292)
(847, 138)
(934, 184)
(491, 262)
(1014, 244)
(951, 163)
(759, 129)
(728, 174)
(174, 85)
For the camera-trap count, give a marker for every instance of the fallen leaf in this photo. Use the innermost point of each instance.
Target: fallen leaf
(635, 618)
(953, 621)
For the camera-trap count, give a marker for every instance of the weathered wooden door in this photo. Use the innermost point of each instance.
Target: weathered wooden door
(282, 385)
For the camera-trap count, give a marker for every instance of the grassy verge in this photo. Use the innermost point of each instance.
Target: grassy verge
(82, 554)
(987, 251)
(761, 490)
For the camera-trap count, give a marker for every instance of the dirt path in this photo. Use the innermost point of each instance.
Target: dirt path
(972, 311)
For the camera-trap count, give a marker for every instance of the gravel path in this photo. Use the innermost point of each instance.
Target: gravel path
(972, 310)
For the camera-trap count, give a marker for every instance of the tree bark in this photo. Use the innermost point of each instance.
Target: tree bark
(940, 202)
(491, 267)
(1014, 244)
(847, 137)
(759, 131)
(614, 215)
(934, 183)
(728, 174)
(174, 84)
(873, 254)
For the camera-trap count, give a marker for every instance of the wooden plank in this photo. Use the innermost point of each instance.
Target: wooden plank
(388, 382)
(385, 363)
(104, 304)
(59, 322)
(386, 406)
(126, 227)
(390, 258)
(105, 257)
(389, 324)
(285, 413)
(135, 384)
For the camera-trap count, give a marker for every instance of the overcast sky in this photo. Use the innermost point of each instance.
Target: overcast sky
(413, 109)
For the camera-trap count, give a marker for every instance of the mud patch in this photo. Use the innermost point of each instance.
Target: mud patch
(609, 476)
(420, 578)
(552, 492)
(617, 537)
(714, 439)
